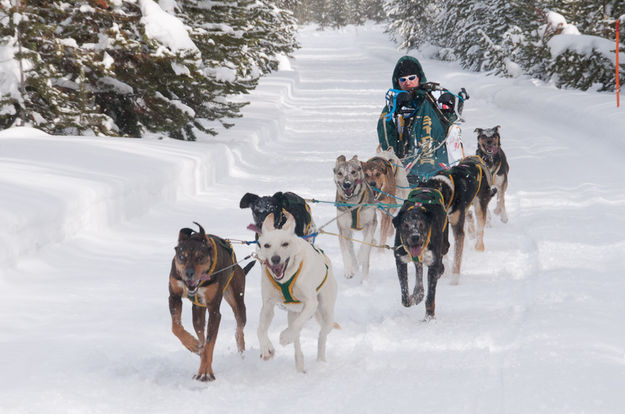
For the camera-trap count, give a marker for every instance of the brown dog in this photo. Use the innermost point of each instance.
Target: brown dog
(380, 173)
(204, 270)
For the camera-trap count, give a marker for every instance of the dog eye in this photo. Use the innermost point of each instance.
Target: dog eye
(266, 245)
(285, 244)
(340, 174)
(181, 257)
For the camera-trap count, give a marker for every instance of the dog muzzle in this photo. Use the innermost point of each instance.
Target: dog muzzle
(277, 270)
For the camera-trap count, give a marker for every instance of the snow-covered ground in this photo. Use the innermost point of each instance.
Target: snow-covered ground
(536, 325)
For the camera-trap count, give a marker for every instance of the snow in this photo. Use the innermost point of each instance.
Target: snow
(164, 27)
(535, 325)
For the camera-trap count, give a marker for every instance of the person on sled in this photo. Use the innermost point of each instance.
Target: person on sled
(416, 124)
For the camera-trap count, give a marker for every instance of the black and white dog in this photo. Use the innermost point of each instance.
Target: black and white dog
(489, 149)
(421, 238)
(263, 206)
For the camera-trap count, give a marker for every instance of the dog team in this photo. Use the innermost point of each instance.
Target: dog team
(298, 276)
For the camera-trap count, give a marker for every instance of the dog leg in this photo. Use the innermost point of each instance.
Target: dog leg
(500, 210)
(434, 272)
(385, 227)
(418, 292)
(470, 224)
(199, 322)
(187, 339)
(456, 220)
(402, 275)
(236, 302)
(299, 355)
(347, 249)
(205, 373)
(480, 212)
(325, 316)
(364, 253)
(267, 350)
(291, 333)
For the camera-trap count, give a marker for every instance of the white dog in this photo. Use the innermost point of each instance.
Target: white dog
(299, 276)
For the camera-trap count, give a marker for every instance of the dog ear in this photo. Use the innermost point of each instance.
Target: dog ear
(268, 223)
(355, 157)
(247, 200)
(478, 130)
(184, 234)
(289, 225)
(497, 128)
(397, 219)
(202, 232)
(341, 158)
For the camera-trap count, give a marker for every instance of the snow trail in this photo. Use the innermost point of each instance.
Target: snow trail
(535, 324)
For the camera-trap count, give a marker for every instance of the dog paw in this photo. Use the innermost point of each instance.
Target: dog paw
(349, 275)
(287, 337)
(504, 218)
(417, 297)
(479, 246)
(407, 301)
(267, 353)
(204, 377)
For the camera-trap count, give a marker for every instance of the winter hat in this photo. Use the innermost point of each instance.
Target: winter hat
(408, 67)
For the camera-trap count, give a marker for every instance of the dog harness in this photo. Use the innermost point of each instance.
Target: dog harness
(478, 163)
(287, 288)
(421, 196)
(356, 211)
(194, 298)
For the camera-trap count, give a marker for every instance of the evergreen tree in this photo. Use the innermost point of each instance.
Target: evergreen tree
(91, 68)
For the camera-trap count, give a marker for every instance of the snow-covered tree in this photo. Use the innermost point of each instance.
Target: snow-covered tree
(103, 67)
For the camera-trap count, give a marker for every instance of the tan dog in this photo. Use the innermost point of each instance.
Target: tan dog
(387, 178)
(204, 270)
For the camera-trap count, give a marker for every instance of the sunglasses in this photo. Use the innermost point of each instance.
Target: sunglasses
(407, 78)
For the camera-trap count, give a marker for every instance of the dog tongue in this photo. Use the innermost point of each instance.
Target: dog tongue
(277, 270)
(254, 228)
(416, 251)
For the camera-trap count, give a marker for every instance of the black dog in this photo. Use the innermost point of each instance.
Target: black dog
(464, 185)
(291, 202)
(421, 238)
(489, 148)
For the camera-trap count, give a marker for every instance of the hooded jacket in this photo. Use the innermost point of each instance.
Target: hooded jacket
(420, 126)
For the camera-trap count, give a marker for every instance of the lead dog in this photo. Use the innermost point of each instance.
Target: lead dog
(204, 269)
(281, 201)
(354, 199)
(421, 238)
(489, 148)
(466, 184)
(298, 276)
(387, 178)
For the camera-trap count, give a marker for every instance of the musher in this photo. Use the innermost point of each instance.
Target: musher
(415, 123)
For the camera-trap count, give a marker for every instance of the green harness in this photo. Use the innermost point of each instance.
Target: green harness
(287, 288)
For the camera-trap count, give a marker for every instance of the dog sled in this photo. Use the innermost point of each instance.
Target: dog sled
(426, 137)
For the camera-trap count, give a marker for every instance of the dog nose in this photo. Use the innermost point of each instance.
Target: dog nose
(372, 183)
(347, 184)
(189, 272)
(275, 259)
(414, 239)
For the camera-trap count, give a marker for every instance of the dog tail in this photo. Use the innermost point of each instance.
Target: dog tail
(249, 266)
